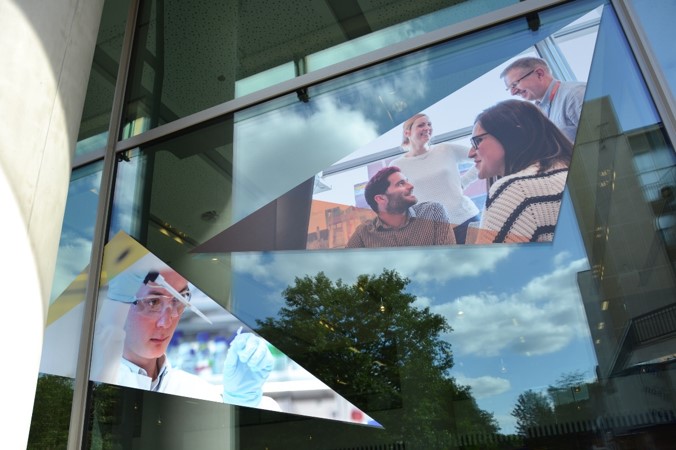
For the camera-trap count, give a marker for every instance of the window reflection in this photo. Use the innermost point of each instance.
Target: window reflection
(655, 20)
(54, 391)
(172, 195)
(560, 344)
(239, 49)
(93, 132)
(66, 311)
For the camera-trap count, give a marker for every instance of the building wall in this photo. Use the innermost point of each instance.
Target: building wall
(46, 55)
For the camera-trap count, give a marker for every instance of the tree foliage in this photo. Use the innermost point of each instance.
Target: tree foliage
(51, 413)
(532, 410)
(370, 343)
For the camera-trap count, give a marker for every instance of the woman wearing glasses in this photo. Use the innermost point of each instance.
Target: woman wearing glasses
(514, 141)
(433, 170)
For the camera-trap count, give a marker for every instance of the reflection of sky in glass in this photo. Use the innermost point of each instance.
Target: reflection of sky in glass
(612, 56)
(122, 216)
(349, 113)
(516, 311)
(657, 18)
(78, 227)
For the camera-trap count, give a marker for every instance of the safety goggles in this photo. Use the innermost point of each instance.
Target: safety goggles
(154, 305)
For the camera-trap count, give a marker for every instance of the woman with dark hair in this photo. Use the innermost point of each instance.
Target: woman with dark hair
(433, 170)
(514, 141)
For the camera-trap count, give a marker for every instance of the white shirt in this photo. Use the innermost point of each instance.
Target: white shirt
(436, 178)
(177, 382)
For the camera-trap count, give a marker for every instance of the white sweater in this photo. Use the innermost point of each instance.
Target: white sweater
(436, 178)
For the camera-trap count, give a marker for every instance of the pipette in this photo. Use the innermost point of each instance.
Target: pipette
(155, 277)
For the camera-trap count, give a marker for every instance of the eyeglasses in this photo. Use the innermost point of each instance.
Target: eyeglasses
(154, 305)
(516, 83)
(476, 140)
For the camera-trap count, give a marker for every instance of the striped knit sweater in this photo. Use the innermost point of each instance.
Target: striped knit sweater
(523, 206)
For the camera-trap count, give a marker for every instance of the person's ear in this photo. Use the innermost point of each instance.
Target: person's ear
(380, 199)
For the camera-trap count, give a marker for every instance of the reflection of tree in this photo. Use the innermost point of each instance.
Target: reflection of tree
(547, 420)
(51, 412)
(370, 343)
(532, 410)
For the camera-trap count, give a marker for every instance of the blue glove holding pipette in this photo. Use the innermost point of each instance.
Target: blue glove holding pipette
(247, 365)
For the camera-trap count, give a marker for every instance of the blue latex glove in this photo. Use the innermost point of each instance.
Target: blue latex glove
(247, 365)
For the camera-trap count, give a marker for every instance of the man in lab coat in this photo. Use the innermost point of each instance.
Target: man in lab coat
(152, 315)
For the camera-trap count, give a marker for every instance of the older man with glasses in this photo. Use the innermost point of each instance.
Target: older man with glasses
(561, 101)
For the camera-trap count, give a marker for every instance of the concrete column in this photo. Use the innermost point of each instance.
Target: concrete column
(46, 51)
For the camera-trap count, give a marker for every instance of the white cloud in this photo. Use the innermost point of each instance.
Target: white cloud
(303, 143)
(543, 317)
(435, 264)
(485, 386)
(73, 257)
(422, 302)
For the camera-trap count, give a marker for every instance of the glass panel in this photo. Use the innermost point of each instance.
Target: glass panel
(240, 47)
(54, 394)
(539, 359)
(172, 195)
(95, 121)
(64, 318)
(402, 31)
(621, 183)
(654, 19)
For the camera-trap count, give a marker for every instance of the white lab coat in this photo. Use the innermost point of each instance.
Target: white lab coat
(177, 382)
(170, 381)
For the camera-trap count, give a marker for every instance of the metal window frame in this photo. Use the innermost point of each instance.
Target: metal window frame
(79, 407)
(649, 65)
(633, 31)
(306, 80)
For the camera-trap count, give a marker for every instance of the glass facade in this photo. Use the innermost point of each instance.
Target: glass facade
(93, 133)
(567, 344)
(241, 48)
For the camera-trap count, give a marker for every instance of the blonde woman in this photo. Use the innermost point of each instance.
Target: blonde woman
(433, 169)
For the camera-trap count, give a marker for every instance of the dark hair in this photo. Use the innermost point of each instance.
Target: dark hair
(526, 135)
(378, 185)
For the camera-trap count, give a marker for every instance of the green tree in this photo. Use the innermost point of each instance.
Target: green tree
(51, 413)
(371, 344)
(532, 410)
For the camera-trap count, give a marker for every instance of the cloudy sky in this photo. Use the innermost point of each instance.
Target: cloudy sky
(516, 311)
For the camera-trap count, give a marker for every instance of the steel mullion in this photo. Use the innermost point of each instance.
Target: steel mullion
(79, 408)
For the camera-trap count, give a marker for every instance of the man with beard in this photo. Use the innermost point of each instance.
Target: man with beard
(401, 220)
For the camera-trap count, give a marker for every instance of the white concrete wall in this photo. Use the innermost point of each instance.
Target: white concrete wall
(46, 50)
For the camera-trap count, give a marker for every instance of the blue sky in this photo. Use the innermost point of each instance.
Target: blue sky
(522, 323)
